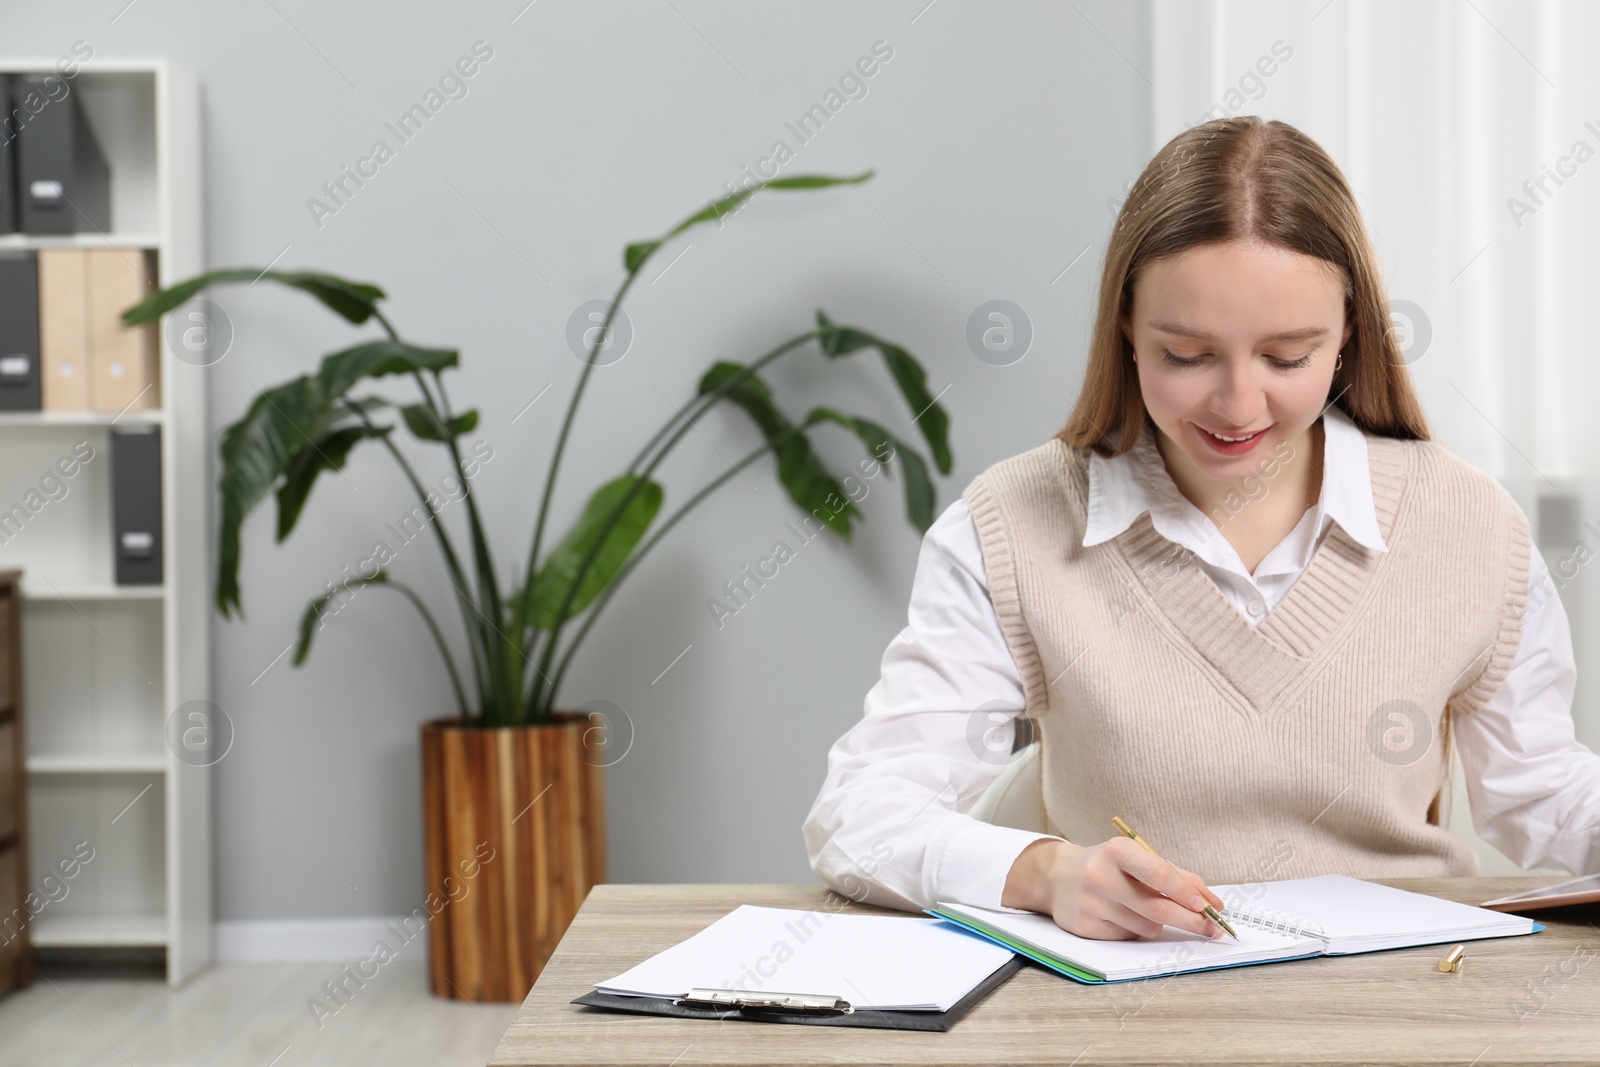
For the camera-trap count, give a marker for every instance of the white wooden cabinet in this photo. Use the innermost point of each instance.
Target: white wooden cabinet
(105, 666)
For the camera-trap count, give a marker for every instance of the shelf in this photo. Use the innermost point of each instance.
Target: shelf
(100, 64)
(23, 419)
(89, 761)
(97, 931)
(39, 590)
(104, 664)
(78, 240)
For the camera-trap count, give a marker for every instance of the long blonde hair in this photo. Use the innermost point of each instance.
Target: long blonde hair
(1239, 179)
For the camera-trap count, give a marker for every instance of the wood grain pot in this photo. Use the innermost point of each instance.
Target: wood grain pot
(514, 836)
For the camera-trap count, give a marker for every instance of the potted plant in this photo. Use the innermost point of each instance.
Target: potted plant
(513, 817)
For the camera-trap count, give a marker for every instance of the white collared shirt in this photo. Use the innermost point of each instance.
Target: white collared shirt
(1124, 487)
(889, 823)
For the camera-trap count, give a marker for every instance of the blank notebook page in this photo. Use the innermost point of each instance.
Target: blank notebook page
(1356, 915)
(884, 962)
(1171, 950)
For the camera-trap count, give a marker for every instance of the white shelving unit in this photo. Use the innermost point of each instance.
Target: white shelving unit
(104, 666)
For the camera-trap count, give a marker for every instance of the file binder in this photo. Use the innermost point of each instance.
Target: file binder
(123, 371)
(19, 331)
(63, 330)
(8, 161)
(63, 183)
(90, 361)
(136, 504)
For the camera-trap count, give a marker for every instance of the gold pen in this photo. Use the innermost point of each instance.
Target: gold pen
(1128, 831)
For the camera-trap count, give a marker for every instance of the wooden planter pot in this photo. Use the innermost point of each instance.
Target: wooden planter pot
(514, 829)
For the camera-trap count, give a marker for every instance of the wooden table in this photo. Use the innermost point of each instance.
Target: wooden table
(1529, 999)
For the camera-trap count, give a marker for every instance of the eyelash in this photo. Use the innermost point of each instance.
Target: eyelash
(1178, 361)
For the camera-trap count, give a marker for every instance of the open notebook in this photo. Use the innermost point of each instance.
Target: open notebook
(1330, 915)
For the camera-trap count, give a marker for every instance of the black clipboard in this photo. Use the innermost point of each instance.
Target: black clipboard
(938, 1021)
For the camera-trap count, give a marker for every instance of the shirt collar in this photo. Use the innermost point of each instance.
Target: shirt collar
(1121, 488)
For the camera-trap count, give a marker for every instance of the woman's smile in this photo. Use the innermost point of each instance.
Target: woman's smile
(1232, 442)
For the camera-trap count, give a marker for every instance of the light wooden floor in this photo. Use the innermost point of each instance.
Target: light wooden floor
(245, 1015)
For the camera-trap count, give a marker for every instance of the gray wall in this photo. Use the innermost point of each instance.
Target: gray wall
(999, 133)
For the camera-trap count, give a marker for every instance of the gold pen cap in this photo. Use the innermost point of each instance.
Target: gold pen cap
(1452, 959)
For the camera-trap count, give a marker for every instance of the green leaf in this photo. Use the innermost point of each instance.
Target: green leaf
(929, 416)
(802, 474)
(278, 437)
(375, 359)
(314, 611)
(560, 568)
(426, 425)
(841, 340)
(634, 255)
(354, 301)
(885, 448)
(326, 454)
(256, 450)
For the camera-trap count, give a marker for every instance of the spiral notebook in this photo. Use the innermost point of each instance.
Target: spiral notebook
(1330, 915)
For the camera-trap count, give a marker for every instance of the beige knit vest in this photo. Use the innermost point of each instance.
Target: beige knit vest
(1308, 744)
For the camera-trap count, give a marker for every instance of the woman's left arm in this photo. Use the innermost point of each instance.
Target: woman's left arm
(1533, 787)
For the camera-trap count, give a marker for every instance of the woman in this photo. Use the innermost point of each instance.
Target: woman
(1244, 597)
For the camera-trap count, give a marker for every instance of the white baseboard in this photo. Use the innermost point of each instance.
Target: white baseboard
(313, 940)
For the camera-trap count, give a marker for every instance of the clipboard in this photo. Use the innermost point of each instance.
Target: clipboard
(1584, 889)
(748, 1009)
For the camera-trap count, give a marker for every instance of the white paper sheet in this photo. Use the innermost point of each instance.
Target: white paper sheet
(884, 962)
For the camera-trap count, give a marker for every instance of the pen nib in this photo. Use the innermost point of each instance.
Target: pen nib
(1214, 916)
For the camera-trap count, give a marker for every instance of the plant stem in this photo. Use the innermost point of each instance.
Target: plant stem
(506, 685)
(449, 552)
(438, 638)
(500, 696)
(545, 700)
(705, 400)
(526, 607)
(638, 553)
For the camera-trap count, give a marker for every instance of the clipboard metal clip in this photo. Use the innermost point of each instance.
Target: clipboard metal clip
(804, 1003)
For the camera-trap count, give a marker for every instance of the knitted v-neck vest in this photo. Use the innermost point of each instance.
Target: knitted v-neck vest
(1307, 744)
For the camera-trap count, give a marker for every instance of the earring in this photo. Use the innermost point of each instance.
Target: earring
(1338, 361)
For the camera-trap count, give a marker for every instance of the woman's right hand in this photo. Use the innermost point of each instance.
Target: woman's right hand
(1116, 890)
